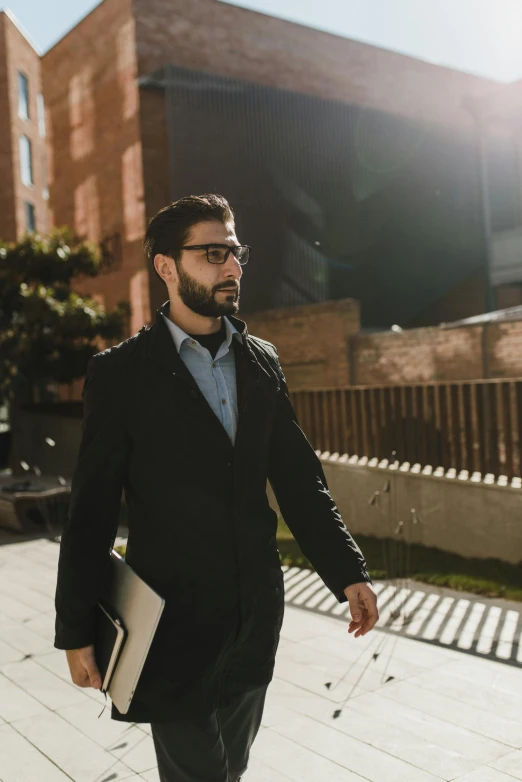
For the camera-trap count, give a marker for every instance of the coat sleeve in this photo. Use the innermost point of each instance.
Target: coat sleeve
(299, 484)
(92, 523)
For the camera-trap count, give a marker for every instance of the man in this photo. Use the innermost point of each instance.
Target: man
(190, 417)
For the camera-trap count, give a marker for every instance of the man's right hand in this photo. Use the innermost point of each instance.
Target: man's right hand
(83, 668)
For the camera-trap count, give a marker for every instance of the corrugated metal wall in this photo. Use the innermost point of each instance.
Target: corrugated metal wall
(336, 200)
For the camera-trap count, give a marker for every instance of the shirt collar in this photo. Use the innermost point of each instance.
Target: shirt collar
(179, 336)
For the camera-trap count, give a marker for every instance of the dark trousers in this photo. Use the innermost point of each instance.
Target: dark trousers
(213, 748)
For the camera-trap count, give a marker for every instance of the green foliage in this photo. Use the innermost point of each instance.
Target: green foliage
(47, 331)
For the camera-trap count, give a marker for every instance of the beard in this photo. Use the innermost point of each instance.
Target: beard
(202, 300)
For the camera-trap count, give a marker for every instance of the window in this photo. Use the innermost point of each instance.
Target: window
(45, 187)
(23, 96)
(30, 217)
(26, 161)
(41, 115)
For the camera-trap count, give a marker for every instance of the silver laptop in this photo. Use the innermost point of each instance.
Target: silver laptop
(139, 607)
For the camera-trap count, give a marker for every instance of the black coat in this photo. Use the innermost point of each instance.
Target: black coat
(201, 531)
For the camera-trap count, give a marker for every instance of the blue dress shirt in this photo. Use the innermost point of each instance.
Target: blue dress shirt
(216, 377)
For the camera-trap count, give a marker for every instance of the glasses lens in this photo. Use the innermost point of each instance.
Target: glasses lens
(216, 254)
(242, 253)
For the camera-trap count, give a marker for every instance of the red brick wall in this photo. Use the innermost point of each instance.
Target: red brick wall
(504, 349)
(434, 354)
(312, 341)
(7, 196)
(96, 169)
(418, 356)
(216, 37)
(17, 54)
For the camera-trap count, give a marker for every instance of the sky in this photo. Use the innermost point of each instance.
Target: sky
(477, 36)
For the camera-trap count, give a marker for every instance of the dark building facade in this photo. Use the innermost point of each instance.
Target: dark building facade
(338, 200)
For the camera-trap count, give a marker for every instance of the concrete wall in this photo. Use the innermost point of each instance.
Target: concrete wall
(472, 518)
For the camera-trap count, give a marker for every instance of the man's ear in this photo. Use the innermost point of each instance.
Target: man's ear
(166, 268)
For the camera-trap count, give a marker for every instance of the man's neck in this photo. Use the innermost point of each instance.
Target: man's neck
(192, 323)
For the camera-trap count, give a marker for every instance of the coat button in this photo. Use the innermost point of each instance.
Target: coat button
(194, 394)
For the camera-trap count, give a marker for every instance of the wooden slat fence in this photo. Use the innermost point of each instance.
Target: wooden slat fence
(473, 426)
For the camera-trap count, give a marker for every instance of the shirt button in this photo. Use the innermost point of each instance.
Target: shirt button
(192, 342)
(214, 365)
(224, 401)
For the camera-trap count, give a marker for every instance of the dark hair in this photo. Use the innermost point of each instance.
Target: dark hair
(167, 232)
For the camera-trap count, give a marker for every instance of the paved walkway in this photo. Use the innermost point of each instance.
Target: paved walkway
(411, 706)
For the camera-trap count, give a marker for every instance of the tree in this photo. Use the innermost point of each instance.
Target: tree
(48, 332)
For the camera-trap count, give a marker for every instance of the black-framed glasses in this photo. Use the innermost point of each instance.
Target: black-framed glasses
(218, 253)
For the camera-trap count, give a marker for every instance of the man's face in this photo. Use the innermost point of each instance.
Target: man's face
(209, 289)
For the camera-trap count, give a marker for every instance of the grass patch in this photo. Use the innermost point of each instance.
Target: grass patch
(486, 577)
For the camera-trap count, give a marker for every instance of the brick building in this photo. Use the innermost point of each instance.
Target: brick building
(191, 96)
(24, 189)
(353, 170)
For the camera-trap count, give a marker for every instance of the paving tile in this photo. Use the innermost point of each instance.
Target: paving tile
(29, 597)
(314, 680)
(485, 775)
(114, 736)
(425, 728)
(418, 654)
(56, 662)
(42, 583)
(487, 698)
(495, 727)
(510, 764)
(17, 611)
(259, 772)
(274, 712)
(25, 640)
(8, 654)
(357, 756)
(21, 762)
(297, 762)
(15, 703)
(46, 557)
(74, 753)
(299, 625)
(337, 656)
(142, 756)
(477, 671)
(385, 731)
(42, 685)
(43, 625)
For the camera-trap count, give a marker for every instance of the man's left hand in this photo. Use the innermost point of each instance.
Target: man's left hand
(363, 607)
